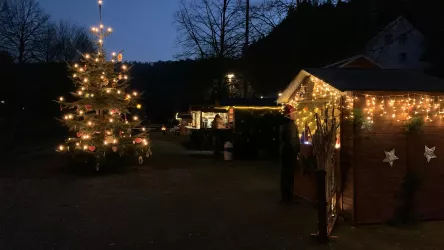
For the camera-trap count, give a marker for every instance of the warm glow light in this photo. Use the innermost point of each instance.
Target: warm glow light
(100, 41)
(111, 120)
(100, 2)
(81, 112)
(97, 59)
(85, 80)
(139, 106)
(124, 67)
(108, 91)
(61, 147)
(128, 96)
(135, 118)
(134, 93)
(280, 94)
(76, 65)
(114, 53)
(230, 76)
(74, 75)
(87, 56)
(61, 99)
(80, 92)
(89, 123)
(101, 26)
(118, 91)
(110, 29)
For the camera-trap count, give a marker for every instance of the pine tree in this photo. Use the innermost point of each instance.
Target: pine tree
(99, 112)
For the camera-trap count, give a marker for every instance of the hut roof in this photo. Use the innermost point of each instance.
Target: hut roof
(378, 80)
(345, 79)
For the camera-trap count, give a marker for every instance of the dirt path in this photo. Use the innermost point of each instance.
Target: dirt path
(177, 201)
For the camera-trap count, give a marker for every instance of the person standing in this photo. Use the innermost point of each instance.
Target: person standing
(216, 124)
(289, 150)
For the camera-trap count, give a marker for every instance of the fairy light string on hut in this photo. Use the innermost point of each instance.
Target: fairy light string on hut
(315, 96)
(403, 107)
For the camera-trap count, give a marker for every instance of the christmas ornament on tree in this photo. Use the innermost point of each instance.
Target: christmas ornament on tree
(94, 116)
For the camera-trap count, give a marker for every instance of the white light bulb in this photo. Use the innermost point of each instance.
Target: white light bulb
(110, 30)
(61, 98)
(100, 41)
(100, 2)
(114, 53)
(101, 26)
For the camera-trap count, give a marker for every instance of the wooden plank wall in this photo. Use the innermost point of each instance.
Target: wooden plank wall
(377, 184)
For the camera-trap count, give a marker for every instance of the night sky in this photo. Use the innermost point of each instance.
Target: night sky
(143, 28)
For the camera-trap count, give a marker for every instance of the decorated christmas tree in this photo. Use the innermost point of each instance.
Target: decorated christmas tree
(99, 113)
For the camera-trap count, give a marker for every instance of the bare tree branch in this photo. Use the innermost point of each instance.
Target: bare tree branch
(22, 27)
(210, 28)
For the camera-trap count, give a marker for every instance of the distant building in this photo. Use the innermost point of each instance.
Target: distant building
(398, 46)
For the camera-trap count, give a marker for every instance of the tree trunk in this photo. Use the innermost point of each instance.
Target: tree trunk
(21, 51)
(247, 35)
(221, 55)
(322, 236)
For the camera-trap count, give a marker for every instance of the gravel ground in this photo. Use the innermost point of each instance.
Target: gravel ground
(176, 201)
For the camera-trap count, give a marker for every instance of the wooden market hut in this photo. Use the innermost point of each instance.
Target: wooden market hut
(257, 118)
(229, 110)
(377, 110)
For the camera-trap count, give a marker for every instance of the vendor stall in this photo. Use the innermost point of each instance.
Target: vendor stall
(391, 127)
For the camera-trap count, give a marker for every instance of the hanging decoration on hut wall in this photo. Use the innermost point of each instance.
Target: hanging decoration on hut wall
(367, 125)
(390, 157)
(429, 153)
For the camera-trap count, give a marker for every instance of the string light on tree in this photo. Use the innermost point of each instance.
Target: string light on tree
(92, 115)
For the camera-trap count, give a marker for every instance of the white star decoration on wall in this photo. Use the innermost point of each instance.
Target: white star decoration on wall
(429, 153)
(390, 157)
